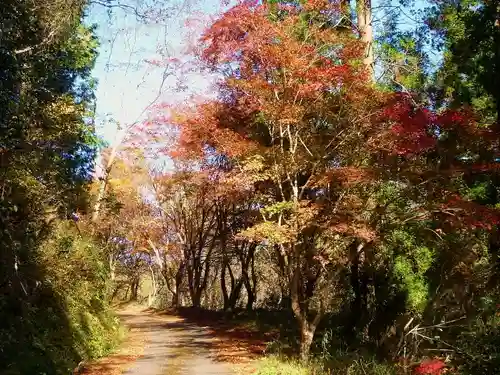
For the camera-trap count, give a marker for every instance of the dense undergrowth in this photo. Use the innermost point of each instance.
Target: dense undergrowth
(275, 365)
(271, 336)
(67, 318)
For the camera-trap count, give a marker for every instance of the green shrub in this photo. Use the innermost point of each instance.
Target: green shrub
(480, 347)
(275, 365)
(372, 367)
(65, 317)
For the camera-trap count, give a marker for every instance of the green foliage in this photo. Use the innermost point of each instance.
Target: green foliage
(71, 321)
(348, 364)
(52, 303)
(267, 231)
(414, 284)
(411, 263)
(404, 61)
(277, 208)
(480, 343)
(468, 33)
(363, 366)
(285, 366)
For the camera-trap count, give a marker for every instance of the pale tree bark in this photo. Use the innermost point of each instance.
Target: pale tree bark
(152, 294)
(104, 180)
(112, 267)
(365, 27)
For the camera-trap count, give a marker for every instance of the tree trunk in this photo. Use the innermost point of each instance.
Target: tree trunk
(176, 290)
(359, 285)
(223, 286)
(152, 294)
(496, 72)
(112, 273)
(306, 339)
(300, 299)
(235, 295)
(251, 283)
(176, 293)
(250, 287)
(365, 27)
(134, 288)
(300, 316)
(175, 299)
(105, 179)
(250, 295)
(196, 298)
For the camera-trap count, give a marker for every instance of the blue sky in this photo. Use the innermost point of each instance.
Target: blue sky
(127, 84)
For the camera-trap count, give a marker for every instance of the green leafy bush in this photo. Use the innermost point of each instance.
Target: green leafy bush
(65, 318)
(275, 365)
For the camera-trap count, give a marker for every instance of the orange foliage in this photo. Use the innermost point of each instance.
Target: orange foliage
(298, 102)
(300, 99)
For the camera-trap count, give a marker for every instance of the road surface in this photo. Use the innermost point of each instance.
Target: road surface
(173, 347)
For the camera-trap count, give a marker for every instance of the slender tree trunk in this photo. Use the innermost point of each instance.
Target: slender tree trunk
(251, 283)
(354, 279)
(105, 179)
(496, 71)
(250, 294)
(175, 300)
(306, 336)
(178, 282)
(112, 274)
(196, 298)
(365, 27)
(306, 339)
(152, 295)
(134, 289)
(193, 282)
(359, 285)
(300, 299)
(223, 286)
(235, 295)
(100, 196)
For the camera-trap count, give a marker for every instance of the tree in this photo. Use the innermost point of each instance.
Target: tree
(365, 27)
(47, 147)
(468, 33)
(287, 106)
(187, 205)
(298, 119)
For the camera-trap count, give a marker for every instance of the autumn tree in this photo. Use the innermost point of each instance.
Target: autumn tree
(187, 205)
(294, 102)
(299, 120)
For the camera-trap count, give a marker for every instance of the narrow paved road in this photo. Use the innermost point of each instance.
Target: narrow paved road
(173, 347)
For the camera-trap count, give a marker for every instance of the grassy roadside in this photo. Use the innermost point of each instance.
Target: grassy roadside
(265, 342)
(130, 348)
